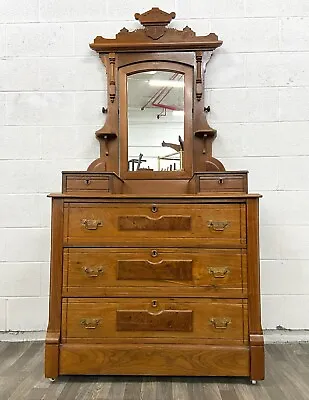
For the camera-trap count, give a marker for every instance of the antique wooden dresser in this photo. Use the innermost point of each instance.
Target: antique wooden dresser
(155, 249)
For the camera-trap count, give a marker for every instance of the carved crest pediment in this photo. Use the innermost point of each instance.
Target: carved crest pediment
(155, 35)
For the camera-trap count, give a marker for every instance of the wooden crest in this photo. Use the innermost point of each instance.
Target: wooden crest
(155, 21)
(156, 36)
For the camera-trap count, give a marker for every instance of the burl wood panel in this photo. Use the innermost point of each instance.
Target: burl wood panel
(211, 224)
(146, 223)
(164, 270)
(212, 318)
(146, 359)
(97, 272)
(166, 320)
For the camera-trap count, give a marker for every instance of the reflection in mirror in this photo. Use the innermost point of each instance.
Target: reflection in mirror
(155, 121)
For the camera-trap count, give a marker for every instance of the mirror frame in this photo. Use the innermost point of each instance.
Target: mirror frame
(132, 69)
(155, 46)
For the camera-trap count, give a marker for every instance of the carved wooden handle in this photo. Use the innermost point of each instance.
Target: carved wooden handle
(218, 272)
(218, 226)
(220, 323)
(90, 323)
(93, 272)
(91, 224)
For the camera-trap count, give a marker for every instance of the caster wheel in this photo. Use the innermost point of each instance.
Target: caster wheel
(52, 380)
(253, 382)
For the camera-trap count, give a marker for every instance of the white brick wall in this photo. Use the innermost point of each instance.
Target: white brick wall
(52, 88)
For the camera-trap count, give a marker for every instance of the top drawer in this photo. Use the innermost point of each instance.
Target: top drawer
(225, 182)
(91, 182)
(155, 224)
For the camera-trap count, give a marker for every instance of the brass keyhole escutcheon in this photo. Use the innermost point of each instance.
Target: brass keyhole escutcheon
(154, 208)
(154, 303)
(221, 180)
(154, 253)
(87, 181)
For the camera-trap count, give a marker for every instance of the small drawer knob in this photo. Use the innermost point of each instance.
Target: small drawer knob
(154, 253)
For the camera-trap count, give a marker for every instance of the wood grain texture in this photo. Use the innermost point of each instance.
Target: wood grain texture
(161, 360)
(287, 372)
(166, 320)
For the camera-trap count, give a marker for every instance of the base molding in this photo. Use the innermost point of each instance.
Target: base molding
(270, 336)
(161, 359)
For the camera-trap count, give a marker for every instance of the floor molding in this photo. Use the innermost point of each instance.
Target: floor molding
(270, 336)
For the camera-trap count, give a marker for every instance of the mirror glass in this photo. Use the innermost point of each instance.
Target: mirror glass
(155, 121)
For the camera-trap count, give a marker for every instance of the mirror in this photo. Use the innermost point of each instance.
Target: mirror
(155, 121)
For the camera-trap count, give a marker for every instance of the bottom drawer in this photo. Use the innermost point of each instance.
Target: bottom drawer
(183, 360)
(158, 318)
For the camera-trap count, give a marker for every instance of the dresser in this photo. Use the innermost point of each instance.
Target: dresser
(155, 272)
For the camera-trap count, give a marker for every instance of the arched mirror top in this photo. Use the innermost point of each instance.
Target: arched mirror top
(156, 126)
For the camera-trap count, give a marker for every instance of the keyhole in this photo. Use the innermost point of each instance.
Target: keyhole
(154, 253)
(220, 180)
(154, 303)
(154, 208)
(87, 181)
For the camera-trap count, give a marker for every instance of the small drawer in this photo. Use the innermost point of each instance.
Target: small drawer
(155, 317)
(112, 223)
(85, 271)
(227, 182)
(94, 181)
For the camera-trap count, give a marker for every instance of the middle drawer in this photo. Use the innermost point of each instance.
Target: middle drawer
(95, 272)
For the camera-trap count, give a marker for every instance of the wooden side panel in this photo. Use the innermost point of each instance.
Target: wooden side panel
(257, 368)
(182, 360)
(53, 330)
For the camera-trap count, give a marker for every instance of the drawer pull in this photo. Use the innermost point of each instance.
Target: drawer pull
(91, 224)
(218, 226)
(219, 272)
(154, 253)
(90, 323)
(220, 323)
(93, 272)
(154, 208)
